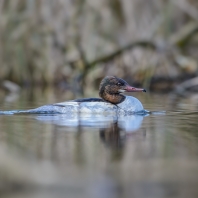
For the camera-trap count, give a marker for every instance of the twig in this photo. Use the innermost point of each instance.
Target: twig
(181, 88)
(186, 7)
(88, 66)
(181, 37)
(147, 44)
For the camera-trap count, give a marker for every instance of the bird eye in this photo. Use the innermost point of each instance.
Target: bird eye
(119, 84)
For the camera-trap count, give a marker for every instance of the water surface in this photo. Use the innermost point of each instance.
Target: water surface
(108, 157)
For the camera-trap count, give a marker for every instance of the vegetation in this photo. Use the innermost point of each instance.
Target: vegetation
(79, 42)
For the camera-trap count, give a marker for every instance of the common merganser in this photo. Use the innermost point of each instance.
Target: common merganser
(112, 101)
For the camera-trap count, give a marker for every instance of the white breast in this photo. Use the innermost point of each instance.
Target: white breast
(130, 104)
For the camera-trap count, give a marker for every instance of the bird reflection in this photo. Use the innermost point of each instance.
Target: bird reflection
(128, 123)
(113, 136)
(114, 130)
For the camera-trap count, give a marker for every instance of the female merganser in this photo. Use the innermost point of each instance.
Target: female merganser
(112, 101)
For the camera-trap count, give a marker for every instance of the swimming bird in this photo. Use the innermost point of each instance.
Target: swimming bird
(112, 101)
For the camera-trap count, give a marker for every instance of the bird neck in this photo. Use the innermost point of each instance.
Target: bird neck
(112, 98)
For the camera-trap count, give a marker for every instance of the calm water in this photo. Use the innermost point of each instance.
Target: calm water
(107, 157)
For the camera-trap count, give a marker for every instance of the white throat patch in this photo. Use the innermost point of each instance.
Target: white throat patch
(121, 90)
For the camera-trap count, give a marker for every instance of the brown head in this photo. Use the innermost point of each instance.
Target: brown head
(111, 88)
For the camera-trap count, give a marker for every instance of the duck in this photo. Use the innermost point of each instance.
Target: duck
(111, 101)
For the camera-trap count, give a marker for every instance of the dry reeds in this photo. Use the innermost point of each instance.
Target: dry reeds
(44, 41)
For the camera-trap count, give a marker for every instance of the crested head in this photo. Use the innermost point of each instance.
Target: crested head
(111, 88)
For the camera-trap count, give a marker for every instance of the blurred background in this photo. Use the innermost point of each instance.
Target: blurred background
(74, 44)
(57, 50)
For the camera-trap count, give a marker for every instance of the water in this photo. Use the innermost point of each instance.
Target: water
(152, 156)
